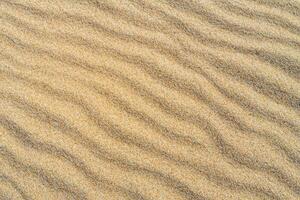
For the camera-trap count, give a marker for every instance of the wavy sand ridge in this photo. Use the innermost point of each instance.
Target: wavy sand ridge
(149, 99)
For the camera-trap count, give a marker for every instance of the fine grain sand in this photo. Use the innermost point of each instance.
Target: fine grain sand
(149, 99)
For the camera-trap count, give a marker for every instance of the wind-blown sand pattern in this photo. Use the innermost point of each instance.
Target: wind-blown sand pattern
(149, 99)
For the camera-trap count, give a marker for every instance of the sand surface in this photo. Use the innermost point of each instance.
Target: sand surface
(149, 99)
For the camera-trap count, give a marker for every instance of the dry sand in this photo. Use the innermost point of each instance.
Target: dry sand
(149, 99)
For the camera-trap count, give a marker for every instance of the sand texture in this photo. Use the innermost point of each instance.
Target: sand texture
(149, 99)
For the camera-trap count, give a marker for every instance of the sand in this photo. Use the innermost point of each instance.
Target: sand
(149, 99)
